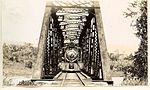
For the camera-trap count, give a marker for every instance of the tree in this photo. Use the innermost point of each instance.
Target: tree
(139, 23)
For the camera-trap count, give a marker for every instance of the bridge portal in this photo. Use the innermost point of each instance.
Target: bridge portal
(72, 40)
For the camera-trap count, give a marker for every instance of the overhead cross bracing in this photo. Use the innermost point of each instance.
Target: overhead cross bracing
(72, 3)
(71, 23)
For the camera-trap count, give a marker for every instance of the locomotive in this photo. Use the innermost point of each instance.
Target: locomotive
(71, 58)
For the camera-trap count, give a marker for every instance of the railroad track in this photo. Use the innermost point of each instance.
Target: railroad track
(69, 81)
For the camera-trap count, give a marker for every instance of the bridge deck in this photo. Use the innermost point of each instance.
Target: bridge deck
(74, 79)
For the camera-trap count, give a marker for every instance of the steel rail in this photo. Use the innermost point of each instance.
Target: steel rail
(63, 80)
(82, 82)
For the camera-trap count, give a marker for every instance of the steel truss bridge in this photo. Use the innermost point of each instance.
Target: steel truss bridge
(72, 44)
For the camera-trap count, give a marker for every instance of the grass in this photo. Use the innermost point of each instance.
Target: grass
(12, 69)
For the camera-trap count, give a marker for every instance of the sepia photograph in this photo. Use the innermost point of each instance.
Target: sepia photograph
(74, 43)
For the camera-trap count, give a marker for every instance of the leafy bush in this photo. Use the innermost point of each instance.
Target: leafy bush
(25, 53)
(26, 83)
(28, 64)
(133, 82)
(120, 62)
(138, 12)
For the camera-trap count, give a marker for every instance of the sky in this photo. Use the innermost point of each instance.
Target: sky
(22, 21)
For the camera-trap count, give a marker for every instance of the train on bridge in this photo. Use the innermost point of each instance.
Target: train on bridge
(71, 58)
